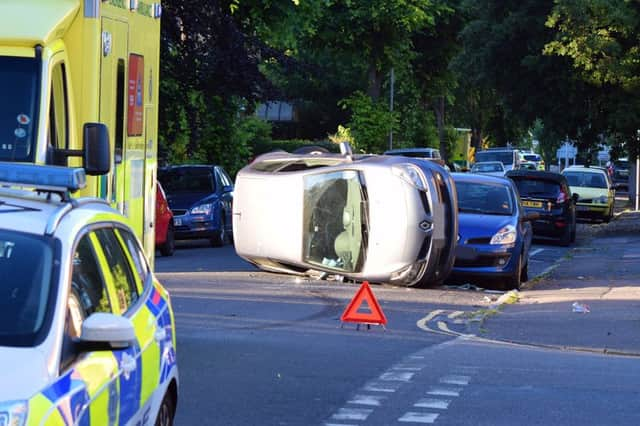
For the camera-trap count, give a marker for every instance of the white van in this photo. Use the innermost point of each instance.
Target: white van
(508, 156)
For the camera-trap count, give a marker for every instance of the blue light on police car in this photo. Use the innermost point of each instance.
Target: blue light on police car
(42, 177)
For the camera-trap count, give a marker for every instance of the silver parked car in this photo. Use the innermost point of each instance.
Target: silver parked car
(365, 217)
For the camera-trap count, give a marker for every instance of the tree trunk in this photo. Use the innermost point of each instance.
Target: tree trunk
(375, 83)
(438, 109)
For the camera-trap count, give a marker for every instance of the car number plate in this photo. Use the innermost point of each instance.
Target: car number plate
(177, 221)
(536, 204)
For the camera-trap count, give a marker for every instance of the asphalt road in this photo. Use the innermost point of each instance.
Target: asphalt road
(269, 349)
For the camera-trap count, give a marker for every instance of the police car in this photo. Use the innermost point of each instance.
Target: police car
(87, 334)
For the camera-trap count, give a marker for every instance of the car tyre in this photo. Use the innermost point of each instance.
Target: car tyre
(573, 232)
(169, 246)
(566, 237)
(220, 238)
(166, 412)
(514, 281)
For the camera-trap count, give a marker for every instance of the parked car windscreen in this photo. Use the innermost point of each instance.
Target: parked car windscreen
(505, 157)
(585, 179)
(335, 220)
(188, 179)
(25, 283)
(475, 197)
(487, 167)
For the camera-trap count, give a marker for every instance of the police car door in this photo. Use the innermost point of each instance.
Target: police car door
(139, 300)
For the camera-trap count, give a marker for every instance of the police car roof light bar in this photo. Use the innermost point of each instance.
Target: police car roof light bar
(45, 178)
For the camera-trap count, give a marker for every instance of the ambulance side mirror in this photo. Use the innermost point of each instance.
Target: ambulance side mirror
(96, 150)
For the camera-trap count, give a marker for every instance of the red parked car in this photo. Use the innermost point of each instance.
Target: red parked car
(165, 241)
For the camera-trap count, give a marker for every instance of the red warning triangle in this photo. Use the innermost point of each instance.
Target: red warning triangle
(364, 295)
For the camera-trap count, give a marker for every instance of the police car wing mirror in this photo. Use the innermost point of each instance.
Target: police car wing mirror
(96, 151)
(103, 328)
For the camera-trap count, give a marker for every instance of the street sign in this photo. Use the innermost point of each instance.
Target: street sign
(567, 151)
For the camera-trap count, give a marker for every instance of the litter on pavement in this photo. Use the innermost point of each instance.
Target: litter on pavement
(580, 308)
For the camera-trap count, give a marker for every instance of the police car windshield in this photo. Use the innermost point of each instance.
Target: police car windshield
(25, 283)
(19, 85)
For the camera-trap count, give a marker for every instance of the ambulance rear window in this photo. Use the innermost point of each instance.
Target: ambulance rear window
(25, 283)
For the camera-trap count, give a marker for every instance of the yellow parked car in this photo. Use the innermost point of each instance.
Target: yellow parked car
(594, 187)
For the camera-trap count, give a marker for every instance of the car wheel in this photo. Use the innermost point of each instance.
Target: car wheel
(220, 239)
(166, 411)
(169, 245)
(573, 233)
(565, 239)
(514, 281)
(524, 274)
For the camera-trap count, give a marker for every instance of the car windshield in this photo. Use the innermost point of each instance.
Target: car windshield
(484, 198)
(487, 168)
(584, 179)
(19, 85)
(529, 187)
(25, 283)
(187, 180)
(505, 157)
(531, 157)
(416, 154)
(335, 220)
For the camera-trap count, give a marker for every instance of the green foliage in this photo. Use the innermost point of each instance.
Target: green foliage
(371, 122)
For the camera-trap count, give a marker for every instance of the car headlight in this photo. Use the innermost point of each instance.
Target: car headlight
(601, 200)
(13, 413)
(410, 174)
(204, 209)
(506, 235)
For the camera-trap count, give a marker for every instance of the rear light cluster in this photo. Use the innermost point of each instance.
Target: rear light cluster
(562, 197)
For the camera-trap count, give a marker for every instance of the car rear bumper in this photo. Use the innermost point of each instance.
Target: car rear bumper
(592, 210)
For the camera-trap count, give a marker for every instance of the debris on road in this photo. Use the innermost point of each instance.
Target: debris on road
(580, 308)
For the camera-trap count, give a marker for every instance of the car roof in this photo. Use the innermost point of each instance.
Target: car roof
(590, 169)
(416, 149)
(537, 174)
(480, 178)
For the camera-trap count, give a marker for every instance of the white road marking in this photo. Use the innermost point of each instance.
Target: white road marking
(408, 367)
(339, 424)
(373, 400)
(455, 314)
(413, 417)
(382, 387)
(455, 380)
(416, 357)
(441, 404)
(536, 251)
(352, 414)
(395, 376)
(442, 391)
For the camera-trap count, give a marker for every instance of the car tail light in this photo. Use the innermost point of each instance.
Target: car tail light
(562, 197)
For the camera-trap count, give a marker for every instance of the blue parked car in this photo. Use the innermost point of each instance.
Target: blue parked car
(494, 232)
(200, 197)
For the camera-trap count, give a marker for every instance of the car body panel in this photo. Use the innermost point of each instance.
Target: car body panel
(596, 195)
(214, 188)
(164, 216)
(476, 258)
(67, 382)
(274, 230)
(540, 192)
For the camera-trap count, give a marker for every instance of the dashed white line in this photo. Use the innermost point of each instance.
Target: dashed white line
(455, 380)
(413, 417)
(444, 391)
(382, 387)
(373, 400)
(441, 404)
(396, 376)
(536, 251)
(352, 414)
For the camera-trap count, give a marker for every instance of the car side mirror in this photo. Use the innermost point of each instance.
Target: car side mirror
(227, 188)
(575, 197)
(96, 150)
(105, 329)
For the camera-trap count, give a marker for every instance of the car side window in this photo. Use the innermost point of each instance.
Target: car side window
(87, 284)
(137, 255)
(224, 177)
(119, 269)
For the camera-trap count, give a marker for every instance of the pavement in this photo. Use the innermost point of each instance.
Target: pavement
(589, 300)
